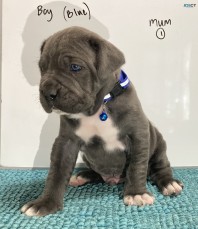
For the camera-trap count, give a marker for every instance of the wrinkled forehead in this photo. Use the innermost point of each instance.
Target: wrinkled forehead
(69, 45)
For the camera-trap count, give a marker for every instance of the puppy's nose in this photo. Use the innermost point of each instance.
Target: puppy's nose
(49, 88)
(51, 95)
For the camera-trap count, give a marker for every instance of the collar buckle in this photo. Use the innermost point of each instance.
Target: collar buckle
(117, 90)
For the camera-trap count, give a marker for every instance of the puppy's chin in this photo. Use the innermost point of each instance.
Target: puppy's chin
(71, 116)
(48, 110)
(47, 107)
(57, 111)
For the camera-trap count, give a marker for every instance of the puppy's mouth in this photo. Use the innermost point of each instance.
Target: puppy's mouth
(65, 102)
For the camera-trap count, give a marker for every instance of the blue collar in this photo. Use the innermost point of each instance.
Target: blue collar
(118, 89)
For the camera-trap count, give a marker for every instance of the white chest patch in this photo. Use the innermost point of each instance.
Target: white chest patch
(91, 126)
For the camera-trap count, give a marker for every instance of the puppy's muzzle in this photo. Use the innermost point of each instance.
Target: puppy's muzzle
(50, 90)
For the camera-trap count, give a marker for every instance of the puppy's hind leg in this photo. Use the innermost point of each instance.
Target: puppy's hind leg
(161, 173)
(85, 176)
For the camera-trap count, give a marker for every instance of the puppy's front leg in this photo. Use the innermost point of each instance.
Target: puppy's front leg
(63, 158)
(135, 192)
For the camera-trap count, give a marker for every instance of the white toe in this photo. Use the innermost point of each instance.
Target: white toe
(139, 200)
(148, 199)
(31, 212)
(24, 208)
(128, 200)
(177, 187)
(172, 189)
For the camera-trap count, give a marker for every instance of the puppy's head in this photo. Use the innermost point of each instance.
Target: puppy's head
(77, 68)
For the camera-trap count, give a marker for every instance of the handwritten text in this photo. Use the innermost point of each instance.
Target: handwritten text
(68, 12)
(160, 32)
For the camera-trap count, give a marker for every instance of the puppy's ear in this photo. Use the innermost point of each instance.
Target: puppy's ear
(108, 57)
(42, 47)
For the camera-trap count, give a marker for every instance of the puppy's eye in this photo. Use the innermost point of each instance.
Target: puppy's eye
(75, 68)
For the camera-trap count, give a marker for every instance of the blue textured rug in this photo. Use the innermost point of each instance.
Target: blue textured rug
(97, 206)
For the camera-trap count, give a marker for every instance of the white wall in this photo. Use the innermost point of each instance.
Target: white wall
(164, 71)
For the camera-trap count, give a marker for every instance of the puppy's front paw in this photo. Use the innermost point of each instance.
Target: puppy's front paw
(139, 200)
(40, 207)
(173, 188)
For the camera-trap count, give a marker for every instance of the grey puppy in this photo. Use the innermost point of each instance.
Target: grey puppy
(119, 144)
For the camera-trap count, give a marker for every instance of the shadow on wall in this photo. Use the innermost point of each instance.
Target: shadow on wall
(36, 30)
